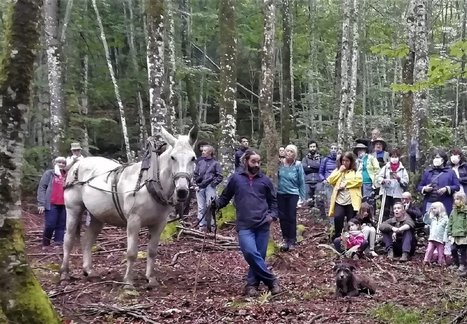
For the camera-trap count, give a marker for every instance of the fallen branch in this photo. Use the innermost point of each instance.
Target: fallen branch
(174, 259)
(64, 292)
(327, 246)
(394, 280)
(134, 311)
(199, 234)
(459, 318)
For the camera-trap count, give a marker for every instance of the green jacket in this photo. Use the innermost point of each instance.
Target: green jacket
(457, 226)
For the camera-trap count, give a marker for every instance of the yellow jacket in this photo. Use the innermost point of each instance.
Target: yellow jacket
(354, 185)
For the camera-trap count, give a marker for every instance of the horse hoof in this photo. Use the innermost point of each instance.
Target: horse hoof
(152, 283)
(85, 273)
(129, 287)
(64, 277)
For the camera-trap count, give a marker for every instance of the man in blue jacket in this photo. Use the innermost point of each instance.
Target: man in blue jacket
(208, 174)
(328, 164)
(240, 151)
(256, 204)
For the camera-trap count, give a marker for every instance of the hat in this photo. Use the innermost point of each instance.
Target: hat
(75, 146)
(380, 140)
(360, 146)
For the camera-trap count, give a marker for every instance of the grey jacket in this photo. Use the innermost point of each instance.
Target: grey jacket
(44, 190)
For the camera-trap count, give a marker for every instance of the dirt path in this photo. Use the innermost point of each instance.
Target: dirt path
(407, 293)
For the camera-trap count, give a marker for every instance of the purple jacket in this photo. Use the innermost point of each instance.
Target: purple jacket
(439, 178)
(208, 172)
(255, 199)
(238, 154)
(328, 164)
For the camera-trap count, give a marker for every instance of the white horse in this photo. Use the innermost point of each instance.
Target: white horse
(114, 194)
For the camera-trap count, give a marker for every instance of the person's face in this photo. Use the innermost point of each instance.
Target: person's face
(281, 151)
(398, 211)
(61, 164)
(360, 153)
(289, 154)
(406, 199)
(312, 147)
(374, 134)
(206, 152)
(378, 147)
(244, 142)
(353, 227)
(333, 149)
(458, 201)
(346, 163)
(253, 164)
(76, 152)
(435, 210)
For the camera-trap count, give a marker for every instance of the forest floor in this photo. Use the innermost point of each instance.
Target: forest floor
(205, 284)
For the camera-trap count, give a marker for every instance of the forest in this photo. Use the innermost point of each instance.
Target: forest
(110, 73)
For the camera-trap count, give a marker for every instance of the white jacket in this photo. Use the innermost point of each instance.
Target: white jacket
(394, 188)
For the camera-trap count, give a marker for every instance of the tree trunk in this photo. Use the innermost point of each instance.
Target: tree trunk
(155, 61)
(143, 133)
(420, 102)
(463, 81)
(55, 77)
(171, 68)
(22, 300)
(186, 53)
(344, 75)
(353, 74)
(287, 66)
(267, 88)
(228, 84)
(114, 81)
(84, 99)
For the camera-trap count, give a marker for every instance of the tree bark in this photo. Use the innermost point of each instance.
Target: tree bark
(228, 84)
(21, 298)
(171, 96)
(155, 61)
(287, 68)
(267, 88)
(114, 82)
(55, 76)
(344, 75)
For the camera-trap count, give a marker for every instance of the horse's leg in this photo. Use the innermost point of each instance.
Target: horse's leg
(72, 221)
(155, 232)
(132, 231)
(94, 228)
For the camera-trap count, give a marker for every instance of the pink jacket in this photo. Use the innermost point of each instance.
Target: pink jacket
(355, 238)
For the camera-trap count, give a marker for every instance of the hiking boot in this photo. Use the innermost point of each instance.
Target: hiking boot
(284, 247)
(391, 254)
(251, 291)
(404, 257)
(373, 254)
(292, 247)
(275, 288)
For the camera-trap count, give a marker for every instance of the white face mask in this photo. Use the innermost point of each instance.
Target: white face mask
(437, 161)
(455, 159)
(394, 160)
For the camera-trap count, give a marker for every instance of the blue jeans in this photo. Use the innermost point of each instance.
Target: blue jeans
(254, 244)
(367, 190)
(287, 205)
(55, 222)
(204, 197)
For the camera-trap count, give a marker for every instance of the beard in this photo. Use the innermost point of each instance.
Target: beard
(253, 170)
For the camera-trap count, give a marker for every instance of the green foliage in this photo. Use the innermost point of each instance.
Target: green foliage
(227, 216)
(440, 133)
(35, 161)
(272, 249)
(395, 314)
(169, 232)
(389, 51)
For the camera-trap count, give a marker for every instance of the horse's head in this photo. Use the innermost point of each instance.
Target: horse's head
(182, 161)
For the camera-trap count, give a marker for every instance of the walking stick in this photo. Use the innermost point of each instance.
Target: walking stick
(381, 212)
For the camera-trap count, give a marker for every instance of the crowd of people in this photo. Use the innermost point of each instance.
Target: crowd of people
(364, 192)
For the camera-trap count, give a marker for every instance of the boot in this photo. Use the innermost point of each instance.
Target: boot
(390, 254)
(251, 291)
(404, 257)
(275, 288)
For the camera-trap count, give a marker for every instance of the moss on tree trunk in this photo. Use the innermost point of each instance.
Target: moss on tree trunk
(22, 299)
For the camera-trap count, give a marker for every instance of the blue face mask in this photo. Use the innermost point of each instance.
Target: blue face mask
(333, 154)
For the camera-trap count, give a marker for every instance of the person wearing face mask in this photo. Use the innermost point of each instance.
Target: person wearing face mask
(393, 179)
(256, 205)
(328, 164)
(379, 151)
(368, 168)
(459, 166)
(439, 183)
(398, 234)
(291, 186)
(311, 164)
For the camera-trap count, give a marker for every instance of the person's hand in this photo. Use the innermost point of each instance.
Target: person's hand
(394, 236)
(342, 168)
(428, 188)
(395, 229)
(442, 191)
(40, 210)
(269, 218)
(386, 182)
(451, 239)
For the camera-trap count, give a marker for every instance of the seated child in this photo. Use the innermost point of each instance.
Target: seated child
(365, 216)
(354, 237)
(437, 218)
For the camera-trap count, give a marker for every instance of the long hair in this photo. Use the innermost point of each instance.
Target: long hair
(440, 206)
(351, 157)
(365, 207)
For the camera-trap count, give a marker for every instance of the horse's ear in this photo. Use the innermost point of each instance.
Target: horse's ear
(193, 134)
(168, 137)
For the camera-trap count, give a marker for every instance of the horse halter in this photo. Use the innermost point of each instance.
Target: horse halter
(181, 174)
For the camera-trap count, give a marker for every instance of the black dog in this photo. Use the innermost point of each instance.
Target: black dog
(349, 283)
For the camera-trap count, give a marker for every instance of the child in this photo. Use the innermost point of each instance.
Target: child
(457, 231)
(365, 216)
(354, 237)
(438, 221)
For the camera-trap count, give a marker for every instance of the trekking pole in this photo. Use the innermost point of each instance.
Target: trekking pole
(381, 212)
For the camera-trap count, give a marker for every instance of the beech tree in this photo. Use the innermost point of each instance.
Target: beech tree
(22, 299)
